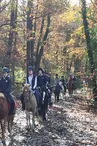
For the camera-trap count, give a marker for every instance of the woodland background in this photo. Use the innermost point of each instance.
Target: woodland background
(53, 34)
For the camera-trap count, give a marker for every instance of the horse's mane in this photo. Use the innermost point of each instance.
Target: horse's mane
(2, 95)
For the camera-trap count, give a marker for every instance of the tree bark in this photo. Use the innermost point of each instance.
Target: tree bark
(11, 33)
(14, 41)
(29, 32)
(40, 46)
(88, 42)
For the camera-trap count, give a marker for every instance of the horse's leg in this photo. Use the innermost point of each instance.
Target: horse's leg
(44, 113)
(58, 97)
(33, 121)
(55, 97)
(10, 125)
(3, 127)
(69, 92)
(38, 115)
(27, 119)
(64, 91)
(29, 116)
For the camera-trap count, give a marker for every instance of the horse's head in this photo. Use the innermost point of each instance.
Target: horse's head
(26, 92)
(2, 95)
(2, 98)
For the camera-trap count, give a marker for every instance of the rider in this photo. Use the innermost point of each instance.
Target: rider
(63, 83)
(56, 81)
(48, 83)
(32, 80)
(41, 82)
(5, 87)
(41, 79)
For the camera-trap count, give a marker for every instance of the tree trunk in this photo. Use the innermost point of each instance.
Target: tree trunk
(10, 40)
(14, 41)
(88, 41)
(40, 46)
(29, 32)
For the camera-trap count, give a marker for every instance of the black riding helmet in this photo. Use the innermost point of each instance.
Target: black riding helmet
(30, 68)
(41, 70)
(5, 70)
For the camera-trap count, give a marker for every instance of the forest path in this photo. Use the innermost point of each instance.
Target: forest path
(69, 124)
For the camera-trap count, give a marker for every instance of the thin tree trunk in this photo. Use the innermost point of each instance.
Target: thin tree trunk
(14, 41)
(29, 31)
(8, 55)
(41, 46)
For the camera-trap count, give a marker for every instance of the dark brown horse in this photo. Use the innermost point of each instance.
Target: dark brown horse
(70, 85)
(4, 117)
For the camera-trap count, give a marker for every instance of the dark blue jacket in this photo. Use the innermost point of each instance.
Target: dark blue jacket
(41, 81)
(5, 85)
(48, 79)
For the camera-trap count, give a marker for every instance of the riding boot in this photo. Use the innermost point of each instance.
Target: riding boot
(37, 95)
(23, 106)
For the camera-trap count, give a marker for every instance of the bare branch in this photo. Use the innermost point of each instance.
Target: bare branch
(2, 8)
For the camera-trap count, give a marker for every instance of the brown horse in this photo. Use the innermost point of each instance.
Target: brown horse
(4, 117)
(70, 85)
(30, 105)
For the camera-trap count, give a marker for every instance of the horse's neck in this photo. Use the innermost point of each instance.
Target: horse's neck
(70, 80)
(31, 95)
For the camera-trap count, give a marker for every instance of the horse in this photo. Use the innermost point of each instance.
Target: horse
(30, 106)
(5, 117)
(59, 88)
(45, 101)
(70, 85)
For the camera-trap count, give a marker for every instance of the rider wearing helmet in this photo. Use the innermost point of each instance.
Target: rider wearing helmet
(32, 80)
(41, 79)
(5, 87)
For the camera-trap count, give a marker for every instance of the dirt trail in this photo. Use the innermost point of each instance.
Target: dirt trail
(69, 124)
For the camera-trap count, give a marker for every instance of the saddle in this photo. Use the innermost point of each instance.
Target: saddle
(15, 106)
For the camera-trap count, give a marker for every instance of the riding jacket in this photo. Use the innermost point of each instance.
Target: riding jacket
(41, 81)
(5, 84)
(32, 80)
